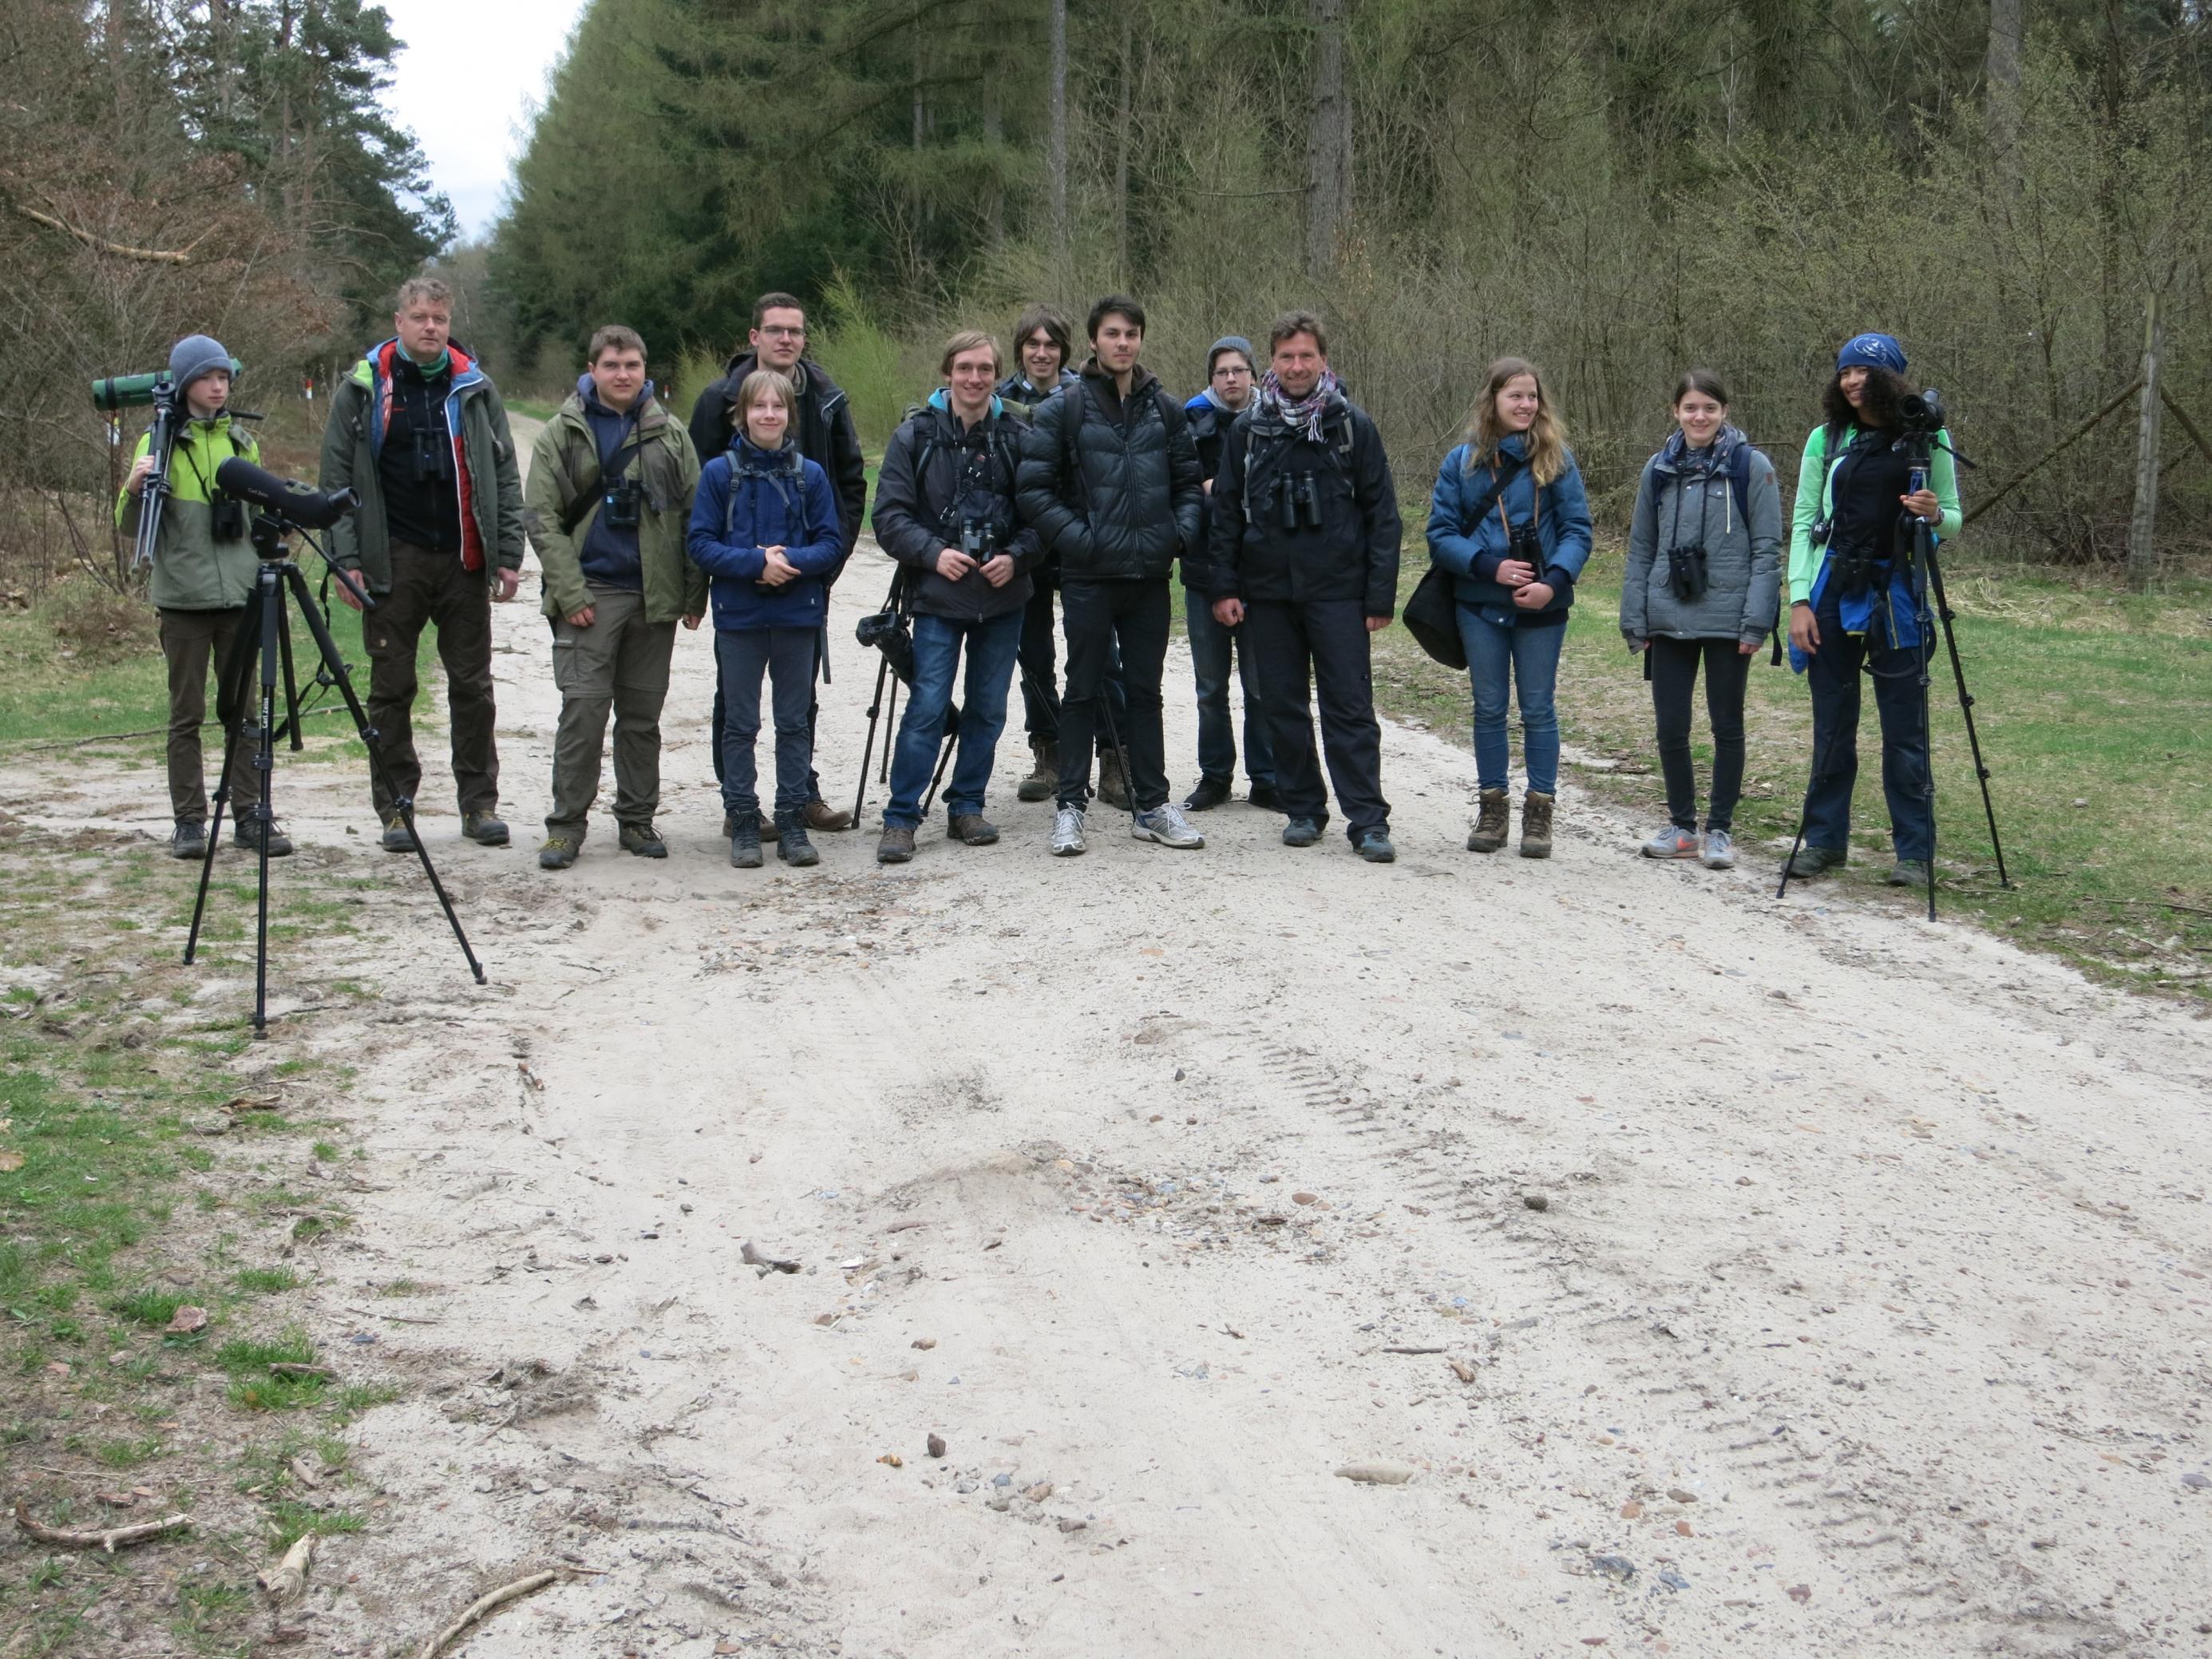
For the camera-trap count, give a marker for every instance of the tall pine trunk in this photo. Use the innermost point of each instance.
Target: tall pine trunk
(1329, 144)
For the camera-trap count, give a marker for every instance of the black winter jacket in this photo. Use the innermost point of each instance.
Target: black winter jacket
(919, 514)
(826, 436)
(1354, 553)
(1112, 486)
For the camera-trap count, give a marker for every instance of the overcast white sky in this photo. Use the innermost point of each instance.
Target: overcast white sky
(472, 71)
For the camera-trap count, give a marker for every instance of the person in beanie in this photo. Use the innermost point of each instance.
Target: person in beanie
(764, 527)
(1510, 520)
(204, 572)
(1305, 557)
(1854, 606)
(944, 510)
(1229, 387)
(1704, 567)
(1110, 477)
(609, 509)
(419, 431)
(822, 425)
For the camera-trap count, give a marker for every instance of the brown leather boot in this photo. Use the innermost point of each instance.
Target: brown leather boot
(1493, 822)
(1044, 778)
(1114, 779)
(1535, 825)
(821, 815)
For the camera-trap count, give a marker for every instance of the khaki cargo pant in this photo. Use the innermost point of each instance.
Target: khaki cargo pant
(196, 643)
(618, 666)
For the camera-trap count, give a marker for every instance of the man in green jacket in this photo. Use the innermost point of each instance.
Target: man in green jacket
(419, 431)
(608, 507)
(202, 576)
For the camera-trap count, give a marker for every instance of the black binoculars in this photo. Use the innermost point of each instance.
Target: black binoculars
(1295, 503)
(434, 456)
(623, 504)
(975, 539)
(227, 519)
(1685, 572)
(1526, 544)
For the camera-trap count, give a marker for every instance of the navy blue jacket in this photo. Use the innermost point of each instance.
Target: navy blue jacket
(748, 500)
(1472, 552)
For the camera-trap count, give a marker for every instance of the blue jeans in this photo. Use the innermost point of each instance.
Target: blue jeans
(991, 647)
(1530, 656)
(1832, 676)
(1210, 648)
(786, 655)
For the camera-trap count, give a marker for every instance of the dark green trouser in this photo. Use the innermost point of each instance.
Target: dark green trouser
(196, 643)
(617, 666)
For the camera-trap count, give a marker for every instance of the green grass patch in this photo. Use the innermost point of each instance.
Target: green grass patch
(291, 1521)
(127, 1454)
(264, 1281)
(2083, 693)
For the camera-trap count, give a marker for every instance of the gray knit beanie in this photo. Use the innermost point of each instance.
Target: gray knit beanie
(197, 354)
(1236, 343)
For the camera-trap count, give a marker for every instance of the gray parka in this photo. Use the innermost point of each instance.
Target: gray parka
(1743, 551)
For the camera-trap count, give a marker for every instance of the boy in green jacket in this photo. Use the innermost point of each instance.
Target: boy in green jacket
(607, 506)
(204, 569)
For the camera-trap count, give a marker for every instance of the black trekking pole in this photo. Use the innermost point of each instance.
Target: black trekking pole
(1122, 754)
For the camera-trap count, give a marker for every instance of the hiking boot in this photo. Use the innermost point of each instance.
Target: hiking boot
(1812, 860)
(768, 830)
(896, 845)
(821, 815)
(1908, 872)
(1672, 842)
(972, 828)
(1208, 795)
(1717, 850)
(1114, 779)
(189, 839)
(643, 841)
(397, 837)
(1301, 832)
(1494, 822)
(1044, 776)
(1267, 798)
(485, 828)
(792, 845)
(247, 832)
(560, 850)
(1166, 824)
(1535, 825)
(1374, 846)
(745, 843)
(1068, 832)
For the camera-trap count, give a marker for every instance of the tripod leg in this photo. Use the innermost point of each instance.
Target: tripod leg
(232, 679)
(1966, 708)
(291, 681)
(265, 764)
(336, 664)
(943, 759)
(1113, 737)
(868, 754)
(891, 719)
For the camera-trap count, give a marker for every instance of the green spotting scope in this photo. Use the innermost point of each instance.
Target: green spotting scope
(129, 391)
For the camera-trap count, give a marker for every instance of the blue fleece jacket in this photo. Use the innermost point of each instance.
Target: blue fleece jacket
(750, 499)
(1466, 537)
(609, 555)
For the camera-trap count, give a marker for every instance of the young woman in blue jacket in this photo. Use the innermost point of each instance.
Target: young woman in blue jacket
(1511, 523)
(765, 528)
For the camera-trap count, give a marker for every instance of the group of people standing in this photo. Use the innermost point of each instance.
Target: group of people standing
(1015, 486)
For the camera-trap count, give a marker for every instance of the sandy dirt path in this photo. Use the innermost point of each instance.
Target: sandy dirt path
(1735, 1277)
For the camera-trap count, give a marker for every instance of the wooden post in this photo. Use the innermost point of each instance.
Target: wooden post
(2143, 550)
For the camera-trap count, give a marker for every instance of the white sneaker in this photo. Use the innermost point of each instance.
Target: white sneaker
(1718, 851)
(1672, 843)
(1068, 832)
(1165, 824)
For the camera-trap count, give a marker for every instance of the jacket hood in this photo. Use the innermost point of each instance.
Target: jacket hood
(941, 401)
(743, 451)
(1675, 455)
(383, 357)
(588, 391)
(1141, 379)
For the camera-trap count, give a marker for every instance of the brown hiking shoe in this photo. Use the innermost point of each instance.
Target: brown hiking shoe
(1535, 825)
(1494, 822)
(973, 829)
(821, 815)
(896, 845)
(1114, 779)
(1044, 779)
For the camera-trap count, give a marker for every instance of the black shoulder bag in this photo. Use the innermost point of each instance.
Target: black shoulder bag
(1432, 612)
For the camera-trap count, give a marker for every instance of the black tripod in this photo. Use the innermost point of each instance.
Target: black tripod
(1926, 575)
(263, 636)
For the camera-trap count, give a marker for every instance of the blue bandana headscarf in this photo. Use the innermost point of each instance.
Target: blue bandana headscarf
(1871, 351)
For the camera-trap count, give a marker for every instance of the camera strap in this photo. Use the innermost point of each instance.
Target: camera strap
(1536, 518)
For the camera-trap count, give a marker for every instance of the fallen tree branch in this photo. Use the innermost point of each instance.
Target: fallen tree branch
(110, 1539)
(156, 256)
(485, 1604)
(287, 1581)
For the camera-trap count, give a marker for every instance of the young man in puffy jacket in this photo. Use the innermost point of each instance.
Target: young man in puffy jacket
(1109, 476)
(608, 507)
(419, 430)
(204, 572)
(1305, 556)
(944, 510)
(823, 425)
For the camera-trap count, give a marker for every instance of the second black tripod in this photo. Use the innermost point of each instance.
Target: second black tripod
(262, 638)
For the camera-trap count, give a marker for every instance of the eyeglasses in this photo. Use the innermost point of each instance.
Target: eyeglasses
(780, 332)
(1235, 370)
